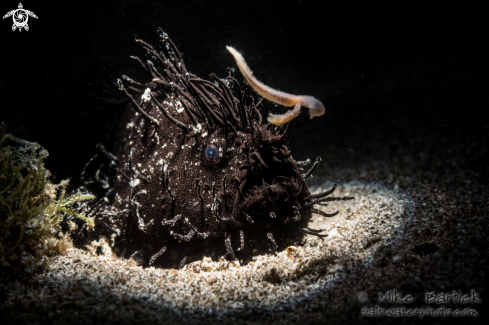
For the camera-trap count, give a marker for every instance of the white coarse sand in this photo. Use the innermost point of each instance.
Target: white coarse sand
(375, 217)
(410, 228)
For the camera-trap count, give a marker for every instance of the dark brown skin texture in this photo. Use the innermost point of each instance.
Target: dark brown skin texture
(174, 204)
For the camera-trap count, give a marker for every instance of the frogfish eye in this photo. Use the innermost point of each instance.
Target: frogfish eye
(211, 153)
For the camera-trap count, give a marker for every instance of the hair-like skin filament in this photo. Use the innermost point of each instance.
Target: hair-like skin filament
(316, 108)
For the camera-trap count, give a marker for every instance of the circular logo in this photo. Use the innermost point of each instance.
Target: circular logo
(20, 18)
(362, 297)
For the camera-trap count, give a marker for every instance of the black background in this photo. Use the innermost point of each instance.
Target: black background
(377, 69)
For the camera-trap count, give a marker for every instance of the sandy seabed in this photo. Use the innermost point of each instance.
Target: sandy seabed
(414, 232)
(375, 218)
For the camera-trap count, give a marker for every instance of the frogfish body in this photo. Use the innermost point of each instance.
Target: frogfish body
(199, 172)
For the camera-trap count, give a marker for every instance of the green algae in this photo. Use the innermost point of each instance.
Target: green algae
(31, 207)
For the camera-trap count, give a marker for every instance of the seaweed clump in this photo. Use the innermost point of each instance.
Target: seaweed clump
(31, 207)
